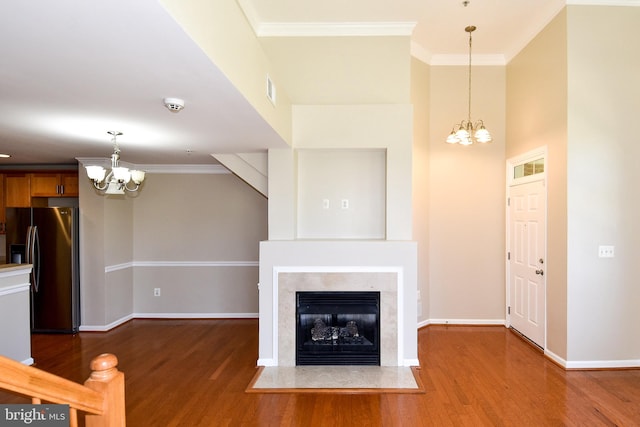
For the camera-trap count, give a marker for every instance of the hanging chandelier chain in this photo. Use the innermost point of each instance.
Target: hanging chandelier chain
(468, 132)
(470, 30)
(114, 134)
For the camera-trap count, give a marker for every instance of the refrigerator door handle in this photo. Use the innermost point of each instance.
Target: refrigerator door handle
(36, 258)
(33, 255)
(27, 251)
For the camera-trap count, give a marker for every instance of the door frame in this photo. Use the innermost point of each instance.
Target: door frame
(511, 181)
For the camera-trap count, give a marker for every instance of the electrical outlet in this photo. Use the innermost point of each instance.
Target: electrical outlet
(156, 292)
(325, 203)
(605, 251)
(344, 203)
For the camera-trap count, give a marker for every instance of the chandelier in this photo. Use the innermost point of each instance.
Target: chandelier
(118, 178)
(467, 132)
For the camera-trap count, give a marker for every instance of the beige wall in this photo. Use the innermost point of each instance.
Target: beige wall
(212, 24)
(466, 214)
(341, 70)
(195, 236)
(92, 254)
(385, 127)
(575, 88)
(420, 79)
(603, 206)
(118, 245)
(186, 217)
(537, 117)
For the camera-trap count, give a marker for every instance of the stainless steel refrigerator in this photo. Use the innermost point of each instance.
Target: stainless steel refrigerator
(48, 239)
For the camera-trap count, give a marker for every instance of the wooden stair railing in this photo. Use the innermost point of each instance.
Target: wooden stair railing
(101, 397)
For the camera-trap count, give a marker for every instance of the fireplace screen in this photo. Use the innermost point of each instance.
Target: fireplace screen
(338, 328)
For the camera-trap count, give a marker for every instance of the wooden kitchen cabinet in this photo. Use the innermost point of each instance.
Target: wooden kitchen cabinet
(54, 184)
(3, 218)
(17, 190)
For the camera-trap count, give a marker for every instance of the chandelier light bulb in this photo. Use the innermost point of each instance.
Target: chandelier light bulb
(466, 141)
(453, 138)
(482, 135)
(96, 173)
(462, 133)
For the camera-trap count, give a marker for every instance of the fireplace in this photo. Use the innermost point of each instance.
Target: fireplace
(288, 267)
(338, 328)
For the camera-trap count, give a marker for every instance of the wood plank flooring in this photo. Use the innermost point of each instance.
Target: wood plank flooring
(195, 372)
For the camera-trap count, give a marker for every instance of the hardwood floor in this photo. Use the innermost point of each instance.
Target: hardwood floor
(195, 372)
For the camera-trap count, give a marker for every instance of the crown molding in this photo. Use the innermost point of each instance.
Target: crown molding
(419, 52)
(322, 29)
(185, 169)
(551, 11)
(166, 169)
(496, 59)
(603, 2)
(334, 29)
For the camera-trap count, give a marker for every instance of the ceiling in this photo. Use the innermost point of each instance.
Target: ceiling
(72, 70)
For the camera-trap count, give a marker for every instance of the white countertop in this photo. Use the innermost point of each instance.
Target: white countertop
(14, 269)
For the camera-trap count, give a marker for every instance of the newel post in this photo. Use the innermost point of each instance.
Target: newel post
(108, 381)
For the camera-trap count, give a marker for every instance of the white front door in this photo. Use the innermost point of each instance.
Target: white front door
(527, 247)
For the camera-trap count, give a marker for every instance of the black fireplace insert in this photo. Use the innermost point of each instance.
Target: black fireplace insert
(338, 328)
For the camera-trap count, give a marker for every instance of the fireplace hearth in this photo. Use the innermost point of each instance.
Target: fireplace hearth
(338, 328)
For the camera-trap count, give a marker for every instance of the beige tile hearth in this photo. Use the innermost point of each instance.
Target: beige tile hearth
(365, 379)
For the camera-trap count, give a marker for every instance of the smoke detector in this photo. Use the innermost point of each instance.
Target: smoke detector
(174, 104)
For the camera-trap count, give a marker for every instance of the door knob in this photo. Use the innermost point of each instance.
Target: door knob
(540, 272)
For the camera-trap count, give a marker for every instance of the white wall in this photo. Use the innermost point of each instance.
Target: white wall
(15, 320)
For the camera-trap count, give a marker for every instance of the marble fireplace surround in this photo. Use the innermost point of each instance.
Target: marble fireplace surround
(388, 283)
(386, 266)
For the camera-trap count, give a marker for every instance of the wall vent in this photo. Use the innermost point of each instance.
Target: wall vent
(271, 91)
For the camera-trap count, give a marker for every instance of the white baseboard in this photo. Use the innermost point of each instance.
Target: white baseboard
(195, 315)
(266, 362)
(559, 360)
(470, 322)
(592, 364)
(423, 323)
(602, 364)
(411, 362)
(28, 361)
(105, 328)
